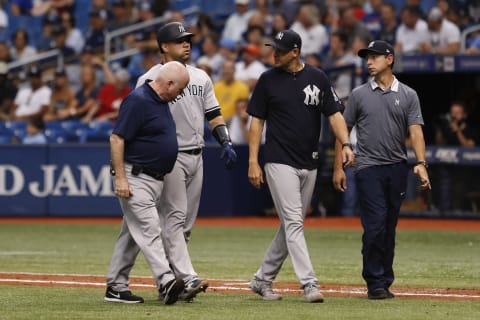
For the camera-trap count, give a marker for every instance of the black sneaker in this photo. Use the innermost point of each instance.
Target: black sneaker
(377, 294)
(112, 295)
(171, 291)
(192, 289)
(390, 294)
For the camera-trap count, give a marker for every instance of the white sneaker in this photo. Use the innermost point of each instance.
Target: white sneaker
(264, 289)
(312, 293)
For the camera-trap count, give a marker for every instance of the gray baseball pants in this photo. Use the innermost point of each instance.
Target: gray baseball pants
(140, 231)
(291, 191)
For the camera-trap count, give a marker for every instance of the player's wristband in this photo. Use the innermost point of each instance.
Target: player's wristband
(220, 133)
(347, 144)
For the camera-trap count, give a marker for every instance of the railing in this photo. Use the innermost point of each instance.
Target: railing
(36, 57)
(464, 36)
(109, 56)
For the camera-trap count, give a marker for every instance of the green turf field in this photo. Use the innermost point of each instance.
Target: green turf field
(428, 259)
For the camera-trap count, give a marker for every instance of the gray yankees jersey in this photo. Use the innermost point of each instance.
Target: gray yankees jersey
(189, 108)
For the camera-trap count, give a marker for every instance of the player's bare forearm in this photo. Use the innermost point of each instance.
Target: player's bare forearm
(255, 174)
(117, 147)
(418, 146)
(339, 128)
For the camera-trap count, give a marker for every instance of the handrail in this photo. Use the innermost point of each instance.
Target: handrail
(138, 26)
(465, 34)
(36, 57)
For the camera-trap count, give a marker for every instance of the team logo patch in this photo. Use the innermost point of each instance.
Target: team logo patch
(181, 29)
(279, 36)
(312, 95)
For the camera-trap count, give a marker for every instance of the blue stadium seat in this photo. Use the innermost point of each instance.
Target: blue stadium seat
(56, 135)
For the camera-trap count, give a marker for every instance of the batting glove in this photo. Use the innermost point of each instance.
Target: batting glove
(229, 155)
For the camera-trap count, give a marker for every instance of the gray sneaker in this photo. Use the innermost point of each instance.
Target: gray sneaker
(264, 289)
(312, 293)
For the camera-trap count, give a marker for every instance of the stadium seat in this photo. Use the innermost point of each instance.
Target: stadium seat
(56, 135)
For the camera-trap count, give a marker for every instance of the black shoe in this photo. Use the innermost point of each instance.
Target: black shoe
(112, 295)
(390, 295)
(192, 289)
(378, 294)
(171, 291)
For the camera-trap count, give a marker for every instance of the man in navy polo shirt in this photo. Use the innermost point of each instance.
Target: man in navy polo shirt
(383, 111)
(143, 149)
(291, 98)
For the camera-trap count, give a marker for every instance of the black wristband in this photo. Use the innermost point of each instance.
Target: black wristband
(347, 144)
(221, 134)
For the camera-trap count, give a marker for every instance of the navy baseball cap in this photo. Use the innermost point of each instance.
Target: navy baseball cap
(286, 40)
(378, 47)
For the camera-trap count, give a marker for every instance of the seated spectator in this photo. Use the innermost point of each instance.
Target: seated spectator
(249, 69)
(412, 32)
(279, 23)
(59, 35)
(389, 23)
(146, 57)
(110, 97)
(312, 32)
(444, 35)
(8, 90)
(237, 22)
(286, 8)
(5, 53)
(35, 132)
(3, 24)
(352, 26)
(62, 101)
(228, 90)
(373, 19)
(204, 64)
(228, 49)
(87, 94)
(240, 124)
(75, 38)
(45, 40)
(21, 49)
(95, 37)
(474, 46)
(254, 35)
(32, 101)
(211, 50)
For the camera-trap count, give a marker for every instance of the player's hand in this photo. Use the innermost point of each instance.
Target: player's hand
(229, 155)
(122, 188)
(421, 172)
(255, 175)
(339, 180)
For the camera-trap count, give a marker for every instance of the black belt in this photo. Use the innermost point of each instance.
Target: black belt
(138, 168)
(192, 151)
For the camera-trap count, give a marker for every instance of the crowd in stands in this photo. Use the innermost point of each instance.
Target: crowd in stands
(86, 87)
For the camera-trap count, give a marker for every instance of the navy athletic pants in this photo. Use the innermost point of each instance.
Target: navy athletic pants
(381, 190)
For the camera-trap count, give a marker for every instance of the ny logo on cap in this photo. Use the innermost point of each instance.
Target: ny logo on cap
(279, 36)
(371, 44)
(181, 29)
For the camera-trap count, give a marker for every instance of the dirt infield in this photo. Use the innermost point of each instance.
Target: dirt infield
(237, 286)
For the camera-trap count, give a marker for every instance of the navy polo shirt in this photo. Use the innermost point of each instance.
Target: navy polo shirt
(292, 105)
(146, 124)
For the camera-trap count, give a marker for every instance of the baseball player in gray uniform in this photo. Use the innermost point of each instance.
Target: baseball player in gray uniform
(180, 199)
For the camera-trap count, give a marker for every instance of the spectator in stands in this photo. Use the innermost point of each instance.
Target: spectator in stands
(211, 50)
(254, 34)
(3, 24)
(373, 19)
(95, 36)
(35, 132)
(389, 23)
(110, 97)
(200, 30)
(44, 41)
(352, 26)
(454, 130)
(337, 51)
(5, 53)
(249, 68)
(237, 22)
(87, 94)
(240, 124)
(63, 103)
(261, 6)
(228, 49)
(312, 32)
(75, 38)
(204, 64)
(21, 49)
(279, 23)
(59, 35)
(146, 57)
(121, 14)
(33, 100)
(412, 32)
(286, 8)
(228, 90)
(474, 46)
(444, 35)
(7, 93)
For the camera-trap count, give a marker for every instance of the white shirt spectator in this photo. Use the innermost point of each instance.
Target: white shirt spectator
(411, 39)
(314, 39)
(448, 33)
(236, 25)
(30, 102)
(75, 40)
(252, 71)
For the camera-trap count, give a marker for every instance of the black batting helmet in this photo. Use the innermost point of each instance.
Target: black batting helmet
(170, 32)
